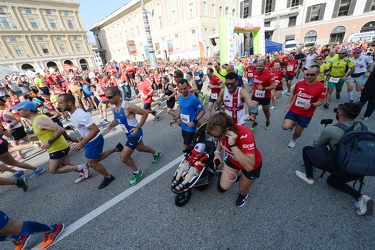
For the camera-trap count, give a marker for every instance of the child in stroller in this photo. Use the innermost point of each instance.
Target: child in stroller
(193, 165)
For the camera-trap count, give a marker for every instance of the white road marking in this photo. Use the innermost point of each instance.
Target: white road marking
(98, 211)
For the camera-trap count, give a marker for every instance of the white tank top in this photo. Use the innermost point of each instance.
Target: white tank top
(234, 107)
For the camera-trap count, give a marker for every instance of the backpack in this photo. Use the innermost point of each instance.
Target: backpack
(355, 151)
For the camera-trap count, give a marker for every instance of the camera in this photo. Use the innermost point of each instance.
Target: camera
(326, 121)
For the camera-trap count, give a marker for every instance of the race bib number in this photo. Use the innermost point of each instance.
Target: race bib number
(290, 68)
(300, 102)
(214, 95)
(334, 79)
(260, 93)
(124, 128)
(250, 75)
(197, 78)
(185, 118)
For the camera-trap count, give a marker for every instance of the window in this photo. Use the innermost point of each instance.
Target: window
(39, 38)
(12, 38)
(315, 12)
(214, 30)
(294, 3)
(206, 30)
(245, 12)
(292, 21)
(78, 47)
(52, 23)
(44, 48)
(48, 12)
(28, 10)
(176, 36)
(213, 10)
(220, 11)
(372, 5)
(58, 38)
(226, 11)
(160, 22)
(174, 17)
(74, 37)
(18, 50)
(204, 9)
(62, 47)
(5, 23)
(192, 31)
(2, 10)
(267, 24)
(268, 6)
(310, 36)
(70, 24)
(344, 8)
(33, 22)
(191, 10)
(66, 13)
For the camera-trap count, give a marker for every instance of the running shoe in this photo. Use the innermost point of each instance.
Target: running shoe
(272, 107)
(50, 238)
(85, 174)
(288, 93)
(21, 243)
(18, 174)
(119, 147)
(104, 122)
(268, 125)
(19, 158)
(338, 96)
(253, 127)
(22, 183)
(156, 157)
(364, 206)
(303, 177)
(157, 118)
(135, 178)
(36, 173)
(351, 101)
(364, 118)
(106, 181)
(70, 127)
(241, 200)
(326, 106)
(292, 143)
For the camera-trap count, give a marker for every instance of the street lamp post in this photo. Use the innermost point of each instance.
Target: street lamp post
(151, 51)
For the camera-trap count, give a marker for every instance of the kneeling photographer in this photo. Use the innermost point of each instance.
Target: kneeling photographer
(321, 157)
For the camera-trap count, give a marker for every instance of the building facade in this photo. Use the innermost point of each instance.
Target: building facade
(315, 22)
(40, 34)
(179, 29)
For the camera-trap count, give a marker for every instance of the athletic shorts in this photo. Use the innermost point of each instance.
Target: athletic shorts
(146, 106)
(253, 174)
(94, 148)
(133, 142)
(289, 78)
(188, 137)
(159, 86)
(250, 81)
(171, 103)
(3, 146)
(131, 76)
(211, 99)
(59, 154)
(3, 219)
(17, 133)
(338, 85)
(301, 121)
(261, 101)
(361, 80)
(279, 88)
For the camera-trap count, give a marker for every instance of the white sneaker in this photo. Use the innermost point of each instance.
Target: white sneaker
(288, 93)
(273, 107)
(364, 206)
(292, 143)
(303, 177)
(85, 170)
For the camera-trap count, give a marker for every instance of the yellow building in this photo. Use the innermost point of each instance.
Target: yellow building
(40, 34)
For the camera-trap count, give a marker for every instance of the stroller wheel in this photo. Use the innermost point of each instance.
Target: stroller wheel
(183, 198)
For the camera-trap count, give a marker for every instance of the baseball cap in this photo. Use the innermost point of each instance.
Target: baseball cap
(38, 101)
(357, 50)
(25, 105)
(199, 149)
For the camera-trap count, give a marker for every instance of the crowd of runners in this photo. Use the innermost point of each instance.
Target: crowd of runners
(33, 110)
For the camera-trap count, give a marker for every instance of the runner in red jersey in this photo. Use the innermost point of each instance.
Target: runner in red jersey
(264, 82)
(303, 100)
(243, 156)
(291, 69)
(249, 74)
(145, 93)
(279, 79)
(276, 59)
(215, 86)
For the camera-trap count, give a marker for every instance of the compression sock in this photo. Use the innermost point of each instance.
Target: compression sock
(350, 95)
(29, 228)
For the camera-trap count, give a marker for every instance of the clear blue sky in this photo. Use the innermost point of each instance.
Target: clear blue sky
(95, 10)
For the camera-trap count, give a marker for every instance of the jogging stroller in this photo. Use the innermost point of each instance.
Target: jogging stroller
(202, 180)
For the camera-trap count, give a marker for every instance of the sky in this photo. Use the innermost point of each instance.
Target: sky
(93, 11)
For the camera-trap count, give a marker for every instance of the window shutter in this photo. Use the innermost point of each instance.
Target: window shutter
(273, 5)
(250, 7)
(288, 3)
(322, 10)
(300, 2)
(367, 6)
(336, 9)
(352, 7)
(263, 3)
(308, 14)
(241, 9)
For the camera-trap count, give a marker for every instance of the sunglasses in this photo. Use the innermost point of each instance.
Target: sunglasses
(214, 136)
(110, 97)
(310, 74)
(342, 53)
(177, 76)
(357, 52)
(319, 58)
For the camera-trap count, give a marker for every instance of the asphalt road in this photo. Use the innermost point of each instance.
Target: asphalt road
(282, 212)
